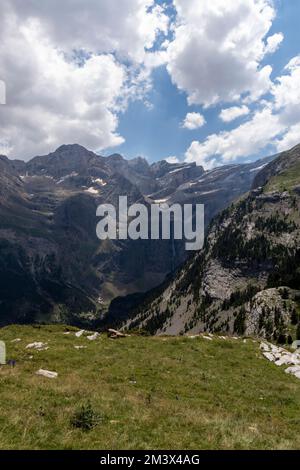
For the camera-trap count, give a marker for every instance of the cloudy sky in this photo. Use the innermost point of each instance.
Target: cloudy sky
(210, 81)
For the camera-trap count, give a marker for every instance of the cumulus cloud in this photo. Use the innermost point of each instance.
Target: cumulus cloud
(193, 121)
(64, 67)
(172, 160)
(51, 101)
(277, 124)
(245, 140)
(286, 92)
(273, 42)
(290, 138)
(126, 27)
(218, 48)
(230, 114)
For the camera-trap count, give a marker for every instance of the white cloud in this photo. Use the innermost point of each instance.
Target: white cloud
(230, 114)
(193, 121)
(126, 27)
(276, 124)
(290, 139)
(286, 91)
(62, 64)
(51, 101)
(273, 42)
(243, 141)
(197, 153)
(218, 47)
(172, 160)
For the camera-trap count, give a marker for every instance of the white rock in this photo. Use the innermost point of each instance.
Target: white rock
(287, 359)
(207, 337)
(277, 350)
(80, 347)
(295, 359)
(37, 345)
(47, 373)
(93, 337)
(79, 333)
(269, 356)
(17, 340)
(295, 370)
(292, 369)
(264, 347)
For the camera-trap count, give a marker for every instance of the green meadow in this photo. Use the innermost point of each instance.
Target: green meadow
(144, 393)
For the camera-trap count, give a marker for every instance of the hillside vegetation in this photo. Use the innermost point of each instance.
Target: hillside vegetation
(246, 279)
(144, 393)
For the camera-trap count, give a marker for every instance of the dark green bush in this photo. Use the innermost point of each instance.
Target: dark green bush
(86, 417)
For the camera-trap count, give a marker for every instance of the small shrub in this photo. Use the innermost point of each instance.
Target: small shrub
(294, 317)
(240, 322)
(281, 339)
(85, 417)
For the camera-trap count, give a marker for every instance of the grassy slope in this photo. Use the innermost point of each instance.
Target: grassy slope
(286, 180)
(189, 393)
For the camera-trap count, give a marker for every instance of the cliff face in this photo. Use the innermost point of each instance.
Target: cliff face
(246, 278)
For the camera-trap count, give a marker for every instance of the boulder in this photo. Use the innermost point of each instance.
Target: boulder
(115, 334)
(295, 370)
(93, 337)
(47, 373)
(79, 333)
(269, 356)
(38, 345)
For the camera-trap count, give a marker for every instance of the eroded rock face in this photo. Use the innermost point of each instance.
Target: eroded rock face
(268, 314)
(220, 281)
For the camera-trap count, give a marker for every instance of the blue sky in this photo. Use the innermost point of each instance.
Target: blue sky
(193, 80)
(156, 132)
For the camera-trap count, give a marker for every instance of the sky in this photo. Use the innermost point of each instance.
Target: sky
(185, 80)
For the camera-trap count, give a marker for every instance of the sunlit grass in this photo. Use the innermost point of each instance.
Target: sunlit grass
(285, 181)
(151, 393)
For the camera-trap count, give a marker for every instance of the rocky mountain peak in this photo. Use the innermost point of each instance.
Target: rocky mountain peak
(48, 219)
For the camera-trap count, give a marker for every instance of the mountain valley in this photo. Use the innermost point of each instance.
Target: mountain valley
(53, 267)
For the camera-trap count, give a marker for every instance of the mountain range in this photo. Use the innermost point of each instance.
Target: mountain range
(246, 279)
(53, 268)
